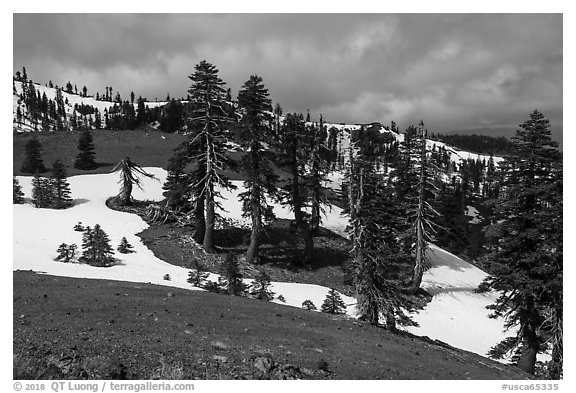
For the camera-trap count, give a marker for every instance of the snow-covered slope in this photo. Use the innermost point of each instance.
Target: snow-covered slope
(39, 232)
(72, 100)
(455, 315)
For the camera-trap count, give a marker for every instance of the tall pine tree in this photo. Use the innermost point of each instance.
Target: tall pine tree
(33, 157)
(60, 186)
(85, 158)
(208, 123)
(256, 122)
(525, 256)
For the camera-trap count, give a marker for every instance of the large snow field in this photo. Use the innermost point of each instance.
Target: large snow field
(39, 232)
(456, 315)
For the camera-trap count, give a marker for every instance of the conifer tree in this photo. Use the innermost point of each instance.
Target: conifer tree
(308, 305)
(179, 193)
(208, 125)
(17, 194)
(33, 157)
(260, 287)
(380, 264)
(525, 245)
(419, 210)
(256, 108)
(232, 278)
(41, 192)
(66, 252)
(198, 275)
(60, 187)
(96, 248)
(85, 158)
(333, 303)
(141, 112)
(301, 151)
(124, 247)
(130, 172)
(177, 187)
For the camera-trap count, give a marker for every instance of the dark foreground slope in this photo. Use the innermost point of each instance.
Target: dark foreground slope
(78, 328)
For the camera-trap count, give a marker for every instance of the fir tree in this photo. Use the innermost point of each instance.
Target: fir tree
(172, 116)
(308, 305)
(232, 278)
(525, 255)
(208, 125)
(301, 150)
(380, 265)
(17, 194)
(177, 187)
(260, 287)
(41, 192)
(141, 117)
(333, 303)
(60, 187)
(124, 247)
(256, 108)
(66, 252)
(96, 249)
(129, 175)
(85, 158)
(78, 227)
(197, 275)
(417, 202)
(33, 157)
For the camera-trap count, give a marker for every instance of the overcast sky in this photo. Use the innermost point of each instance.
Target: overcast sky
(456, 72)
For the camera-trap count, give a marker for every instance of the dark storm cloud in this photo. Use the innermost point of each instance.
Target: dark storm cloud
(453, 71)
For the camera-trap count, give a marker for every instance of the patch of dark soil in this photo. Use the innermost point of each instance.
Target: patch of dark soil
(281, 252)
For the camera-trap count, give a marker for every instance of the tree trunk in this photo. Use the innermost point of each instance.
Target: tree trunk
(390, 320)
(527, 359)
(126, 194)
(308, 246)
(208, 242)
(200, 221)
(252, 252)
(420, 241)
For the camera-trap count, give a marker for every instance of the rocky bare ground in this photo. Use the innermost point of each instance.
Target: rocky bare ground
(67, 328)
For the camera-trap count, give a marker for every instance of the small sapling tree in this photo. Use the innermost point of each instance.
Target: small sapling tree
(66, 252)
(125, 247)
(333, 304)
(260, 287)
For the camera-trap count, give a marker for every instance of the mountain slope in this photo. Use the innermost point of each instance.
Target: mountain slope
(455, 309)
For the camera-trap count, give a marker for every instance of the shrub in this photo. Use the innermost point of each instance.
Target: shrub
(66, 252)
(260, 287)
(197, 275)
(308, 305)
(125, 247)
(78, 227)
(323, 365)
(232, 278)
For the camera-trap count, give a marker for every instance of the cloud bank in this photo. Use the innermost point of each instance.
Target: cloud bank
(456, 72)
